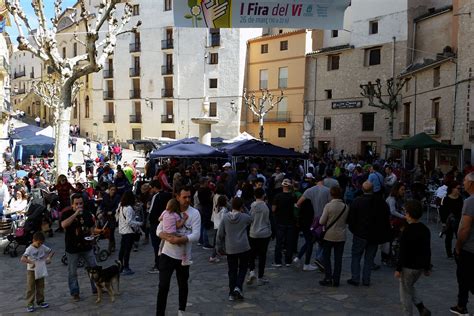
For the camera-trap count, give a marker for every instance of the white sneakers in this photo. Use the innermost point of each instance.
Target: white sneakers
(251, 278)
(309, 267)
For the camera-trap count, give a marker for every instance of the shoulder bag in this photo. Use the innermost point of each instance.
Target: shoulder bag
(318, 230)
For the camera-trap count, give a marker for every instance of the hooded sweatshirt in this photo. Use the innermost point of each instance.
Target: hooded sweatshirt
(261, 226)
(232, 233)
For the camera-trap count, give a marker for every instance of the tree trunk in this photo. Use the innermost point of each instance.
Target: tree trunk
(388, 150)
(260, 120)
(61, 148)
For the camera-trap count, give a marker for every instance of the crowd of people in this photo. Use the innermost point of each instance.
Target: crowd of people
(236, 213)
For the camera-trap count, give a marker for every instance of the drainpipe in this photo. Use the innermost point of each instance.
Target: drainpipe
(414, 108)
(313, 128)
(393, 57)
(413, 43)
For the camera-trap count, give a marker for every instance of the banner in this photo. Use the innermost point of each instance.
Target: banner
(306, 14)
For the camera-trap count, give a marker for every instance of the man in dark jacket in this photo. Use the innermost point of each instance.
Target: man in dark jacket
(157, 206)
(369, 222)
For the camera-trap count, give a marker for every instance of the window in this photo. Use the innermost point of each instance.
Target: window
(168, 134)
(136, 133)
(74, 49)
(263, 79)
(328, 93)
(334, 33)
(264, 48)
(327, 124)
(373, 27)
(407, 84)
(213, 109)
(213, 83)
(436, 76)
(333, 62)
(282, 133)
(283, 78)
(368, 122)
(136, 9)
(282, 110)
(168, 5)
(284, 45)
(64, 52)
(214, 59)
(435, 108)
(372, 56)
(87, 107)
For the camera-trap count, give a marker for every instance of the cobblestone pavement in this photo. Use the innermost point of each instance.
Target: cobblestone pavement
(290, 291)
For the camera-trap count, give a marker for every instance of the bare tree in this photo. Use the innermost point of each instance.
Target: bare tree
(373, 92)
(66, 71)
(261, 106)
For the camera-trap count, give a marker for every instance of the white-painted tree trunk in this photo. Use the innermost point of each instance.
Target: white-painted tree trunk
(61, 150)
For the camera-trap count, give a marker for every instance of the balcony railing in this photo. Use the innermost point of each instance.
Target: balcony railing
(134, 72)
(137, 118)
(167, 93)
(215, 40)
(135, 47)
(135, 94)
(108, 73)
(167, 70)
(404, 128)
(108, 95)
(21, 91)
(276, 116)
(109, 119)
(19, 74)
(167, 44)
(167, 118)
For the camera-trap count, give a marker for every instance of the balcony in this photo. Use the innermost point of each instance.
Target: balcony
(137, 118)
(134, 72)
(167, 93)
(21, 91)
(167, 70)
(167, 44)
(135, 47)
(108, 73)
(108, 95)
(215, 40)
(109, 118)
(18, 74)
(135, 94)
(404, 128)
(276, 116)
(167, 118)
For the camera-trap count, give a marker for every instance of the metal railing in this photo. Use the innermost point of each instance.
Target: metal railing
(109, 119)
(275, 116)
(134, 72)
(135, 47)
(167, 93)
(167, 70)
(108, 73)
(167, 118)
(18, 74)
(108, 95)
(21, 91)
(135, 94)
(137, 118)
(167, 44)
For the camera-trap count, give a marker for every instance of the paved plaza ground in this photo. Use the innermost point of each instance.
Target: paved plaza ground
(290, 291)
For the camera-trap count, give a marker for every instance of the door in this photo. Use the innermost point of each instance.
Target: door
(368, 150)
(169, 83)
(169, 108)
(323, 146)
(169, 34)
(110, 109)
(136, 62)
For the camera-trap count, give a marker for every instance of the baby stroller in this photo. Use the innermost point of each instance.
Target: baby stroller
(24, 228)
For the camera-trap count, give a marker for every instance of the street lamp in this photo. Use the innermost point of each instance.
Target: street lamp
(233, 107)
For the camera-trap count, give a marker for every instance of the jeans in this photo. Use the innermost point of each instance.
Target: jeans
(155, 242)
(259, 247)
(167, 267)
(126, 245)
(465, 276)
(237, 265)
(204, 239)
(408, 295)
(284, 237)
(1, 209)
(72, 259)
(362, 247)
(307, 248)
(338, 247)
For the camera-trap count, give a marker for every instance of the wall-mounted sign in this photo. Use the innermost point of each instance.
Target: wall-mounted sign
(346, 104)
(429, 126)
(307, 14)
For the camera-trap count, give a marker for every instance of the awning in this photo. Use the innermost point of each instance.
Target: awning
(421, 140)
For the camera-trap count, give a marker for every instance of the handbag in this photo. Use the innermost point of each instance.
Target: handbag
(318, 230)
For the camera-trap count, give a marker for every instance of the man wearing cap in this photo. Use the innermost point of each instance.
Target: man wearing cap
(231, 180)
(319, 196)
(282, 208)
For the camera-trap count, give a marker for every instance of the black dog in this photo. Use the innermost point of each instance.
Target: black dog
(104, 278)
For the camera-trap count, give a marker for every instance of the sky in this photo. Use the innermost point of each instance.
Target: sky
(49, 12)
